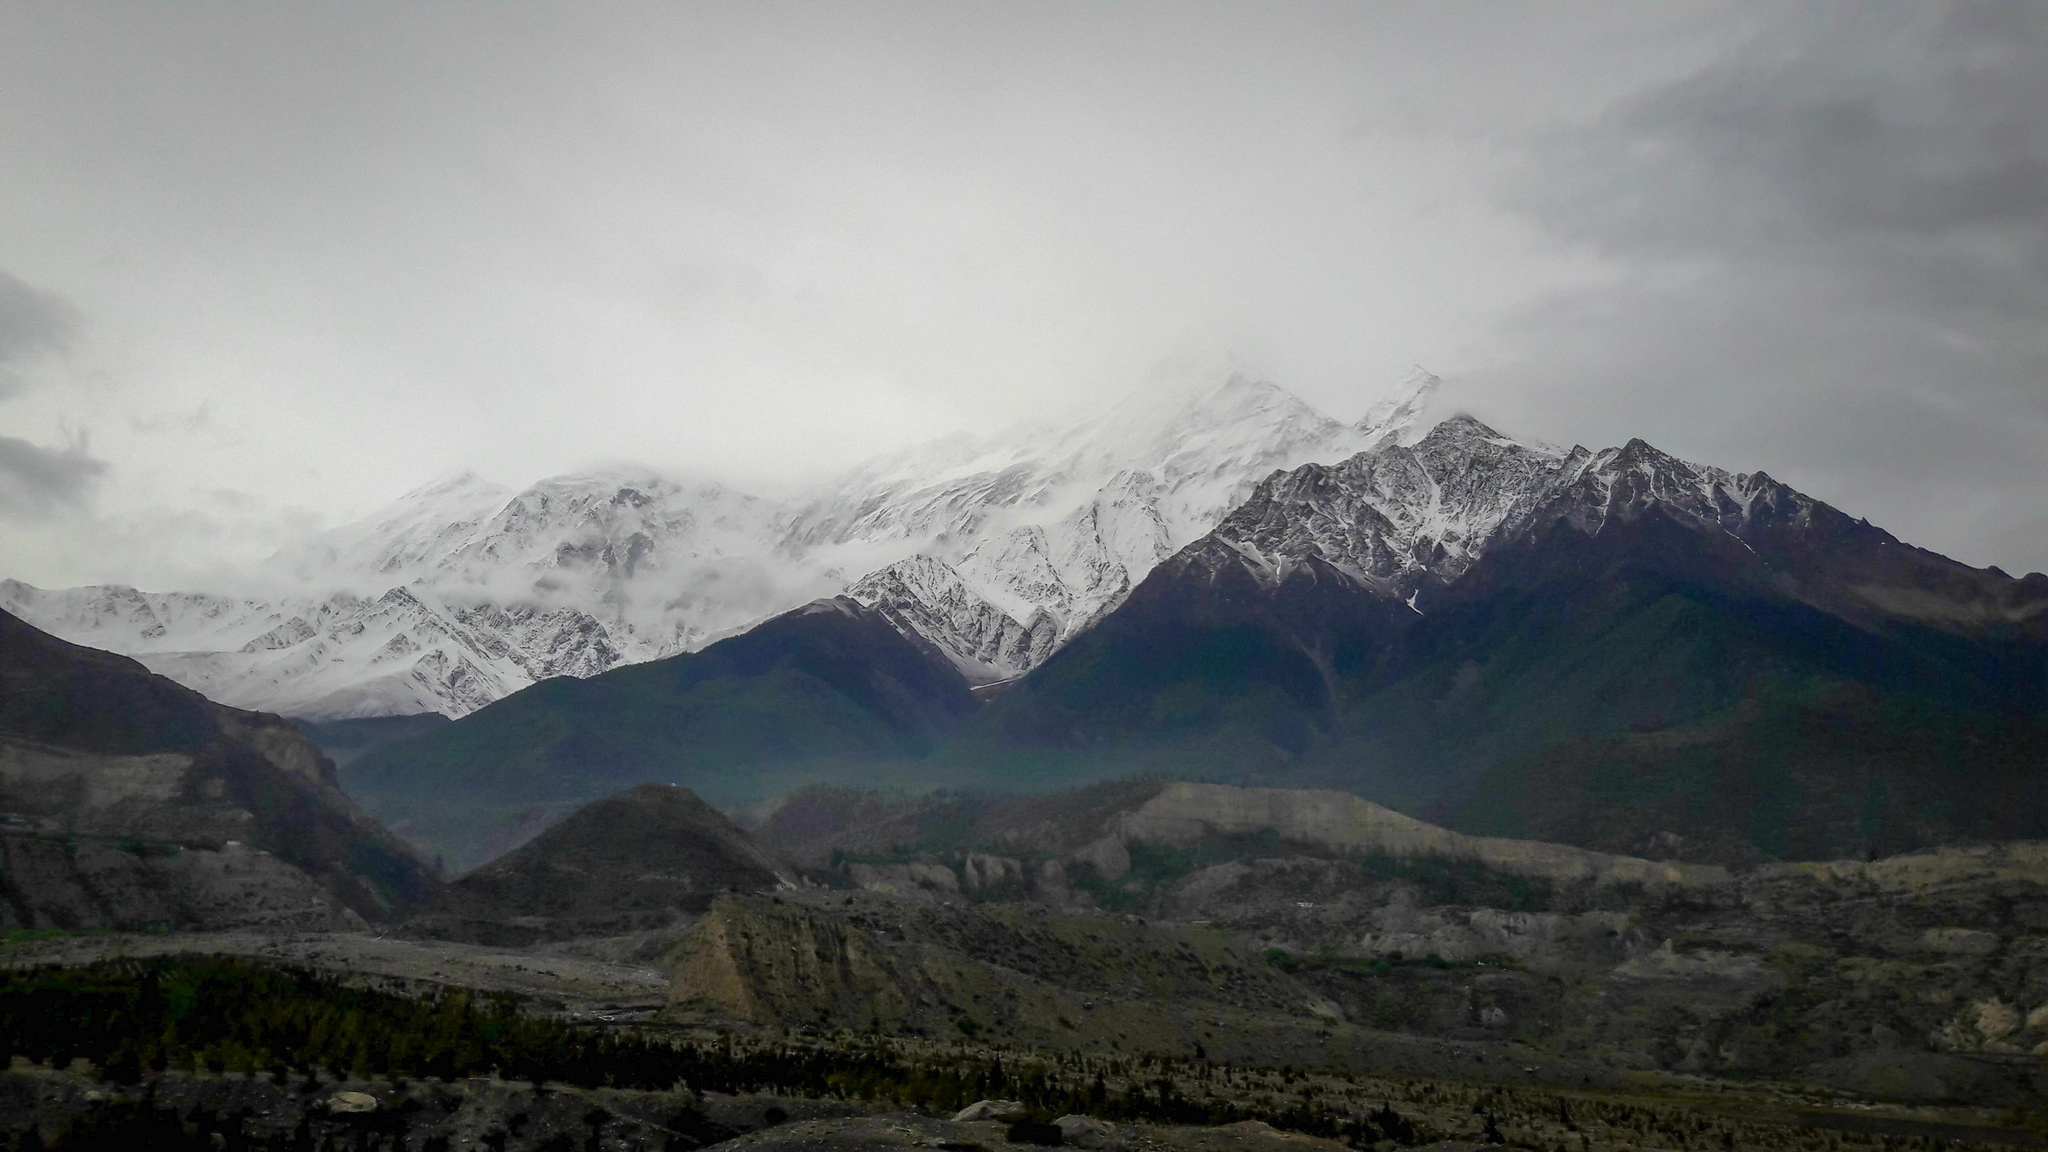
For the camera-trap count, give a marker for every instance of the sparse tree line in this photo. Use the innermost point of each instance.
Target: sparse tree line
(130, 1019)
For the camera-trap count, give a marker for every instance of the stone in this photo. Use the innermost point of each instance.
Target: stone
(989, 1110)
(1087, 1132)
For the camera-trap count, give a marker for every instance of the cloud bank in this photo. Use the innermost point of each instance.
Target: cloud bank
(310, 256)
(1825, 254)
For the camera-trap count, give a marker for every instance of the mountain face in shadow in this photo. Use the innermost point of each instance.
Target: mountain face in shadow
(1638, 654)
(830, 687)
(133, 801)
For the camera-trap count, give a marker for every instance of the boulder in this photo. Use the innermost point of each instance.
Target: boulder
(1088, 1132)
(989, 1110)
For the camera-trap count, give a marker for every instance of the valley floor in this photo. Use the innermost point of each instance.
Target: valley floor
(78, 1108)
(1388, 1089)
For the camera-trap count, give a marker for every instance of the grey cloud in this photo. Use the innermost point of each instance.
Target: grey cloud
(37, 482)
(32, 322)
(189, 420)
(1805, 238)
(1901, 135)
(1824, 254)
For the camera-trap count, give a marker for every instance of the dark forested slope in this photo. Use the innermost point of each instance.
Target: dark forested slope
(827, 687)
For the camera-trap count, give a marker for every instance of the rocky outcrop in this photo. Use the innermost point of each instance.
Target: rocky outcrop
(1009, 971)
(781, 963)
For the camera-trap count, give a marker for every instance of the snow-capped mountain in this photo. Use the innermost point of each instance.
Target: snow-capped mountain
(1406, 520)
(1399, 518)
(994, 550)
(665, 566)
(1398, 515)
(405, 651)
(406, 537)
(1054, 527)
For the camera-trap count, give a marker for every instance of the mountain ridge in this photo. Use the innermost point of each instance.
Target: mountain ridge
(1347, 627)
(464, 591)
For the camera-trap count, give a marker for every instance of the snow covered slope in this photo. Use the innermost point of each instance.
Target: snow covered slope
(925, 598)
(1055, 526)
(994, 550)
(665, 566)
(1398, 515)
(404, 652)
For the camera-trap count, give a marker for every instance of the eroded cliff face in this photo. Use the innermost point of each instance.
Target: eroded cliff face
(1014, 971)
(77, 884)
(1909, 977)
(780, 963)
(129, 843)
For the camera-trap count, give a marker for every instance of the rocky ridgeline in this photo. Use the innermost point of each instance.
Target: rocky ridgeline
(1372, 936)
(461, 592)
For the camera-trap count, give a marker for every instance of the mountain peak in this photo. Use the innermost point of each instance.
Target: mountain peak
(1241, 396)
(457, 480)
(1242, 383)
(1639, 452)
(1463, 426)
(1397, 415)
(603, 481)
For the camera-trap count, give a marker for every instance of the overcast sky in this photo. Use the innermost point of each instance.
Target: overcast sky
(264, 267)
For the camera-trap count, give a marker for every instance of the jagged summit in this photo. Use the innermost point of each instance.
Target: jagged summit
(1403, 519)
(1462, 426)
(1052, 526)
